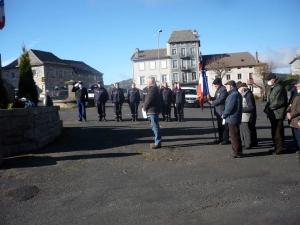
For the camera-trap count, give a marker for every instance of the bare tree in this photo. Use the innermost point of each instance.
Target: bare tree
(218, 64)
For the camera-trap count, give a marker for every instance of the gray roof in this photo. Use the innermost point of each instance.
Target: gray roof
(237, 59)
(38, 57)
(296, 57)
(182, 36)
(151, 54)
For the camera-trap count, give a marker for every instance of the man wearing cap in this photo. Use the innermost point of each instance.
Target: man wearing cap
(134, 101)
(247, 127)
(117, 98)
(100, 98)
(219, 105)
(82, 99)
(233, 116)
(275, 110)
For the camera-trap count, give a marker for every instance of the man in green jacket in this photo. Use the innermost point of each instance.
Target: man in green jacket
(275, 110)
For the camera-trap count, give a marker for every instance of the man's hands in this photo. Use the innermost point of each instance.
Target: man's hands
(288, 115)
(76, 85)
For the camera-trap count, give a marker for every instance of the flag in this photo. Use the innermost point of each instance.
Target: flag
(202, 90)
(2, 15)
(200, 65)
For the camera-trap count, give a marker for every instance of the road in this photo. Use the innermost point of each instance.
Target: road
(105, 173)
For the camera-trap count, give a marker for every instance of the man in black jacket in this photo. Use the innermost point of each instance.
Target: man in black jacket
(152, 106)
(179, 102)
(166, 99)
(173, 100)
(134, 101)
(82, 99)
(117, 99)
(100, 98)
(219, 105)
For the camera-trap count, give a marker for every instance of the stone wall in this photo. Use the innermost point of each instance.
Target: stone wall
(28, 130)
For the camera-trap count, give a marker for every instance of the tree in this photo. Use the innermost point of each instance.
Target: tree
(27, 87)
(218, 64)
(3, 92)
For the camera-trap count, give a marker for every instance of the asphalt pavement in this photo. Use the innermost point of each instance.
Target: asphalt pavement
(105, 173)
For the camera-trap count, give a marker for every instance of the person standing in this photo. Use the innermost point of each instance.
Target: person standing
(233, 116)
(152, 106)
(82, 99)
(117, 98)
(100, 98)
(166, 100)
(276, 111)
(179, 102)
(173, 101)
(293, 115)
(248, 117)
(134, 101)
(219, 105)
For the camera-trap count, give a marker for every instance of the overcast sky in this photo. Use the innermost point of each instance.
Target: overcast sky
(104, 33)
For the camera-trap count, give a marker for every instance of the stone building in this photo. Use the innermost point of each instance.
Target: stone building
(51, 73)
(296, 65)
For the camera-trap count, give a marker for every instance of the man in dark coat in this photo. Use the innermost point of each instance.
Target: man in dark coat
(100, 98)
(82, 99)
(219, 105)
(179, 102)
(173, 100)
(134, 101)
(166, 100)
(233, 116)
(276, 111)
(117, 98)
(152, 106)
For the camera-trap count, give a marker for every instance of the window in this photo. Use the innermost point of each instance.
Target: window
(175, 77)
(228, 76)
(192, 50)
(184, 77)
(164, 78)
(175, 64)
(174, 51)
(183, 51)
(184, 63)
(194, 77)
(250, 75)
(12, 75)
(34, 73)
(163, 64)
(239, 76)
(142, 66)
(142, 80)
(152, 65)
(193, 62)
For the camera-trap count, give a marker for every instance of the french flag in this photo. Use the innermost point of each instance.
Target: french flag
(2, 15)
(202, 90)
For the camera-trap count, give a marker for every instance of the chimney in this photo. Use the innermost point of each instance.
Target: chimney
(195, 33)
(256, 57)
(136, 53)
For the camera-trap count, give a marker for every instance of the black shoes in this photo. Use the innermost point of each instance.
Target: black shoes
(154, 146)
(217, 142)
(278, 152)
(235, 155)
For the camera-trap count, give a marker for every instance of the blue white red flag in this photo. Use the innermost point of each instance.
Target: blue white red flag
(202, 90)
(2, 15)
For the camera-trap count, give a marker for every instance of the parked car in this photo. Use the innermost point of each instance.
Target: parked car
(191, 98)
(90, 94)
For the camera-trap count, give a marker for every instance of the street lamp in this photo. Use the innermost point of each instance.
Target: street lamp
(157, 36)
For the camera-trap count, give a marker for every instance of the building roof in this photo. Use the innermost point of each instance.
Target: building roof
(295, 59)
(182, 36)
(38, 57)
(237, 59)
(151, 54)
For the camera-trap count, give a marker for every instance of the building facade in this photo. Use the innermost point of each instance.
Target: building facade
(296, 65)
(51, 73)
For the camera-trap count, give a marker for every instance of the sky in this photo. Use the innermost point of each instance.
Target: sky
(105, 33)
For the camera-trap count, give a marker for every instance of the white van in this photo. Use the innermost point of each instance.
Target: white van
(191, 98)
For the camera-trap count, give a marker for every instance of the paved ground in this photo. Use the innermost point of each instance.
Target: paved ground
(105, 173)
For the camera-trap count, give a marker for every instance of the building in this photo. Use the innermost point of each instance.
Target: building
(179, 63)
(176, 63)
(296, 65)
(51, 73)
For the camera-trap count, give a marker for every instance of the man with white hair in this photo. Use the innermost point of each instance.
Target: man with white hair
(152, 105)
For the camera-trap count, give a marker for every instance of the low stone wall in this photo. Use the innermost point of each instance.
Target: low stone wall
(28, 130)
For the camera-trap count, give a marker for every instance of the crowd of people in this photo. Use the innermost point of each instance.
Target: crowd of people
(234, 108)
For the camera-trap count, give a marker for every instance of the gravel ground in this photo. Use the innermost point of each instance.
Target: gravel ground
(105, 173)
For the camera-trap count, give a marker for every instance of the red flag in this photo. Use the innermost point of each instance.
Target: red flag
(200, 65)
(2, 15)
(200, 90)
